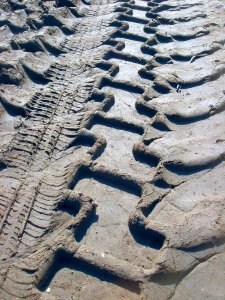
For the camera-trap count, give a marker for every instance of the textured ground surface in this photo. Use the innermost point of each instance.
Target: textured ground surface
(112, 140)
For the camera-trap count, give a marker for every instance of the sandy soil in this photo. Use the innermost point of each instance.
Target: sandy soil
(112, 149)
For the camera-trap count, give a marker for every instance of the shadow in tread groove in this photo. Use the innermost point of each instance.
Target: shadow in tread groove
(107, 178)
(146, 158)
(117, 124)
(146, 237)
(126, 86)
(3, 166)
(35, 76)
(182, 169)
(63, 259)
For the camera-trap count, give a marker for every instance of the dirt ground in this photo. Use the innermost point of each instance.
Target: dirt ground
(112, 148)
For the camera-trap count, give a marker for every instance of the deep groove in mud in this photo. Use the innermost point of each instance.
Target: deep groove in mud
(117, 123)
(150, 238)
(126, 86)
(116, 181)
(146, 158)
(64, 260)
(190, 169)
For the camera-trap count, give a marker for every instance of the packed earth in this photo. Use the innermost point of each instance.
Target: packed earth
(112, 149)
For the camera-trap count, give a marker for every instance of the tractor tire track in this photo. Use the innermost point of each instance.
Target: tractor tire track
(98, 172)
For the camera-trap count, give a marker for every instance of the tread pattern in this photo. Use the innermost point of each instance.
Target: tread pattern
(148, 73)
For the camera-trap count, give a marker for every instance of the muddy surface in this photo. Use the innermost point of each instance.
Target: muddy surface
(112, 147)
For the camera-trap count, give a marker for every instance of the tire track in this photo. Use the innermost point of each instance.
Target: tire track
(92, 149)
(30, 187)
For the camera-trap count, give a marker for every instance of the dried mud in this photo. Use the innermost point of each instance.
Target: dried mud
(112, 149)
